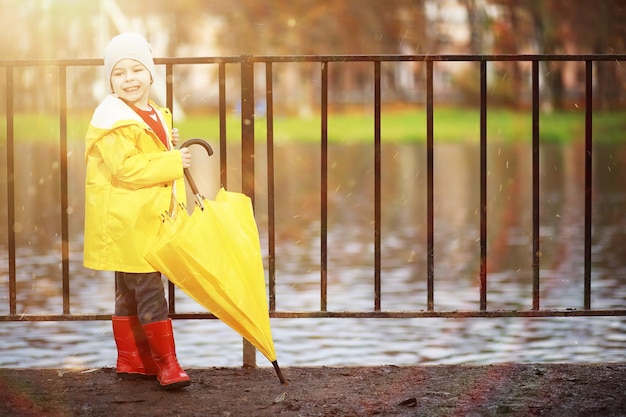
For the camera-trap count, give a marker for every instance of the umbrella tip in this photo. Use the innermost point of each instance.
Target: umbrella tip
(279, 372)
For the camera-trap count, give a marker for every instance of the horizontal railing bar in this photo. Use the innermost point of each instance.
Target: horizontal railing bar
(100, 62)
(56, 317)
(428, 57)
(446, 314)
(93, 317)
(325, 58)
(349, 314)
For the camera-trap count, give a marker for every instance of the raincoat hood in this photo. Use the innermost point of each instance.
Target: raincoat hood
(114, 113)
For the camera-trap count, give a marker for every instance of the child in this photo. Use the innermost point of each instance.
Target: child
(133, 173)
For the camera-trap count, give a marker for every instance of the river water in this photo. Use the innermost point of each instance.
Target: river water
(309, 342)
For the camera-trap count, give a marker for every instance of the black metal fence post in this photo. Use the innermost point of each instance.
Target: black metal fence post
(324, 187)
(483, 185)
(11, 192)
(169, 102)
(65, 257)
(535, 150)
(430, 208)
(247, 160)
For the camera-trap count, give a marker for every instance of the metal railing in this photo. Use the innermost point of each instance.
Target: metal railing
(247, 74)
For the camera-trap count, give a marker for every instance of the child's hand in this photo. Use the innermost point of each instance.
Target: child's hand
(186, 155)
(175, 136)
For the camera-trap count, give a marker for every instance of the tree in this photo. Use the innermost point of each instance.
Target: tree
(601, 29)
(565, 26)
(314, 27)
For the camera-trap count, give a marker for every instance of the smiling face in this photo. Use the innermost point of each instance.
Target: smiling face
(131, 82)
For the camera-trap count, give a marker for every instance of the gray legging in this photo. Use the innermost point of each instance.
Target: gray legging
(140, 294)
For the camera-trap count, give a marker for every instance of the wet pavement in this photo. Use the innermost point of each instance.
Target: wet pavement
(443, 390)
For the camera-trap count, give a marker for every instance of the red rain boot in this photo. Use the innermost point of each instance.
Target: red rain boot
(161, 339)
(134, 357)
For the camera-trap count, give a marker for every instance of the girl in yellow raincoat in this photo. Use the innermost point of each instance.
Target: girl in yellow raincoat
(133, 172)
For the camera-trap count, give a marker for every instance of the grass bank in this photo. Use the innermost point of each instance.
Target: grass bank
(450, 124)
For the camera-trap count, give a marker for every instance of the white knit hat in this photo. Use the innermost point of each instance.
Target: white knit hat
(128, 45)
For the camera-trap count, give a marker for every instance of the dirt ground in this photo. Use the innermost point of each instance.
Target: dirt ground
(491, 390)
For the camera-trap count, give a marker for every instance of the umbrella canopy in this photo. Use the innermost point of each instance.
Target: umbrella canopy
(214, 256)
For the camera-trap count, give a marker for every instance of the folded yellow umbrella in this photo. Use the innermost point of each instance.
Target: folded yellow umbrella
(214, 256)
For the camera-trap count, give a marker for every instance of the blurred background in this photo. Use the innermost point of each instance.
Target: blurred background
(80, 29)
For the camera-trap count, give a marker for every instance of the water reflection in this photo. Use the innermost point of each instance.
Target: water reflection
(351, 258)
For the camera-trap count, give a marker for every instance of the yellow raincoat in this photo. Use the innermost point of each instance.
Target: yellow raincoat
(129, 181)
